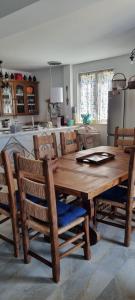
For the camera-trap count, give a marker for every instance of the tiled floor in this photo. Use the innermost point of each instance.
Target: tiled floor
(109, 275)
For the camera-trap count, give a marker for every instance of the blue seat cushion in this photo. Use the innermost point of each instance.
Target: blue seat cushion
(116, 193)
(125, 183)
(62, 207)
(66, 213)
(4, 206)
(30, 197)
(71, 213)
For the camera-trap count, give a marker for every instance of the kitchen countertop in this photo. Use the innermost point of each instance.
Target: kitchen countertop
(5, 132)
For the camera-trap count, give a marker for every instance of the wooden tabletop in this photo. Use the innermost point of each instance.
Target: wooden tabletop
(88, 179)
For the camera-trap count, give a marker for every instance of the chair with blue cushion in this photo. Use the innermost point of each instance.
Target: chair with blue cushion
(124, 138)
(123, 200)
(69, 142)
(48, 216)
(8, 205)
(45, 145)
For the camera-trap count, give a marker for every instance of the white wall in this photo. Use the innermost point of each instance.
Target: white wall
(43, 76)
(68, 81)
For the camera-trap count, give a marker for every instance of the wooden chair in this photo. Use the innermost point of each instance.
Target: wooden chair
(69, 142)
(45, 145)
(36, 179)
(123, 200)
(124, 137)
(8, 203)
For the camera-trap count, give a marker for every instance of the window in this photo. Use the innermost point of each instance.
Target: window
(94, 89)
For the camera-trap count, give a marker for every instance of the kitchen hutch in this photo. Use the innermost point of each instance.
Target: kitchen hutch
(19, 97)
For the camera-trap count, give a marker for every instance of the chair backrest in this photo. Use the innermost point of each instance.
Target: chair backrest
(124, 137)
(45, 145)
(131, 177)
(35, 178)
(7, 185)
(69, 142)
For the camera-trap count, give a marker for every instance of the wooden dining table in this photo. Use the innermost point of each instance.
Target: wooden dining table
(89, 180)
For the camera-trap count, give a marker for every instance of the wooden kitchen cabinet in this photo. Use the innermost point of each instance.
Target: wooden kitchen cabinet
(20, 97)
(31, 98)
(6, 100)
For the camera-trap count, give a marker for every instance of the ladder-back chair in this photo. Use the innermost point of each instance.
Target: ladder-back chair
(123, 200)
(45, 215)
(124, 137)
(69, 142)
(45, 145)
(8, 203)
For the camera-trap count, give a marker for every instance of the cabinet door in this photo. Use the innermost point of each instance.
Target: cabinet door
(7, 104)
(32, 98)
(19, 90)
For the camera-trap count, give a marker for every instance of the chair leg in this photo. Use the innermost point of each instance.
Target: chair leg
(16, 236)
(128, 229)
(114, 211)
(95, 214)
(87, 252)
(26, 242)
(56, 272)
(55, 260)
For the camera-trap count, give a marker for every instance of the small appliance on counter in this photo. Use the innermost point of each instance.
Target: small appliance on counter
(15, 127)
(5, 123)
(70, 122)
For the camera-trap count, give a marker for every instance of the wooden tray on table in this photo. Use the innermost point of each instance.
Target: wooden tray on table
(96, 158)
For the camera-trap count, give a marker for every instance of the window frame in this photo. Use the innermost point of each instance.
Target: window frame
(79, 91)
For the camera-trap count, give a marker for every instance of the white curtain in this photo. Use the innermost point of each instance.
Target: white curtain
(94, 89)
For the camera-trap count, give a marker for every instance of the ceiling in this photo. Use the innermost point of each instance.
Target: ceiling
(7, 7)
(72, 31)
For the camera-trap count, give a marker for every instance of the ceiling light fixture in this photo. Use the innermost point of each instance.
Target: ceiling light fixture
(56, 94)
(54, 63)
(132, 56)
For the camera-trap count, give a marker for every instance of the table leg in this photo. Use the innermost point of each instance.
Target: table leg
(88, 204)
